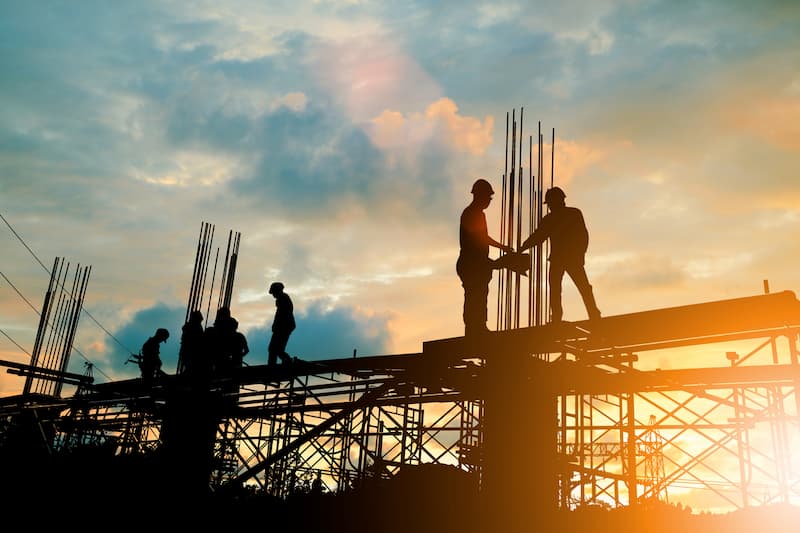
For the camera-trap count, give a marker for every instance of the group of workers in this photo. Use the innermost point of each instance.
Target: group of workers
(221, 347)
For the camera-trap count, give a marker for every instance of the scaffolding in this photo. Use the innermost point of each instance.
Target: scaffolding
(621, 436)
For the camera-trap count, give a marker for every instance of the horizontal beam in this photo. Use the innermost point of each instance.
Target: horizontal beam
(573, 378)
(45, 373)
(748, 317)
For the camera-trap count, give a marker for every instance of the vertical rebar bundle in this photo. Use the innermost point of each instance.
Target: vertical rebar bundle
(200, 268)
(521, 203)
(197, 289)
(56, 332)
(231, 258)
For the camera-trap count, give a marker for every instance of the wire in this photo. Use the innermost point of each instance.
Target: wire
(15, 342)
(83, 309)
(23, 242)
(40, 314)
(20, 294)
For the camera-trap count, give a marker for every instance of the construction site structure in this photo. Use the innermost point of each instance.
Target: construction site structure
(678, 402)
(566, 418)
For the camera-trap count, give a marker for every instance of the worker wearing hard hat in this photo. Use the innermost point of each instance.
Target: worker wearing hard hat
(569, 240)
(282, 325)
(474, 266)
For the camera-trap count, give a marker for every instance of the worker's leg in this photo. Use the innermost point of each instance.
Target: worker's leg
(475, 279)
(581, 280)
(554, 279)
(476, 292)
(276, 348)
(282, 339)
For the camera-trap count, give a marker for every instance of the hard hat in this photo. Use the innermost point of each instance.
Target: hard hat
(554, 195)
(276, 286)
(481, 186)
(162, 333)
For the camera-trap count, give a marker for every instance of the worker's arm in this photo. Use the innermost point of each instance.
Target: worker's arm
(537, 237)
(500, 245)
(534, 240)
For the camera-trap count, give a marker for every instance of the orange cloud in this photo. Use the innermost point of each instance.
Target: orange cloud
(467, 134)
(572, 158)
(440, 120)
(389, 129)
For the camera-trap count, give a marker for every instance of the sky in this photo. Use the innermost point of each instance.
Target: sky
(341, 140)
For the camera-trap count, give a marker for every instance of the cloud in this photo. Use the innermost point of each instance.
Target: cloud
(296, 101)
(597, 40)
(573, 158)
(190, 168)
(316, 164)
(466, 133)
(440, 122)
(631, 271)
(365, 74)
(720, 266)
(310, 161)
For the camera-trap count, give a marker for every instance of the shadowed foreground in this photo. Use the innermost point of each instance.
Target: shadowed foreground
(105, 489)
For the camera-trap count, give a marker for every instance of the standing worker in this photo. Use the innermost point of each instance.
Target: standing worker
(191, 350)
(282, 325)
(218, 343)
(569, 240)
(239, 347)
(474, 267)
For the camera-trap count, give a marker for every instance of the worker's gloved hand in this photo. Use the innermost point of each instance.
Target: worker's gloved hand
(515, 261)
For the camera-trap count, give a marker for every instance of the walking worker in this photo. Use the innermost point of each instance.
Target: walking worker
(282, 325)
(150, 362)
(474, 267)
(569, 240)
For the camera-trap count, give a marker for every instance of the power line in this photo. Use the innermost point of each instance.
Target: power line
(23, 242)
(6, 335)
(15, 342)
(83, 309)
(38, 313)
(20, 294)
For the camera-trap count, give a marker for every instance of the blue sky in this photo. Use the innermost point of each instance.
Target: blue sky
(341, 140)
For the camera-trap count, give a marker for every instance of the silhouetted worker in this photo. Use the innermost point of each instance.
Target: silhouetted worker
(218, 342)
(282, 325)
(239, 346)
(150, 364)
(231, 351)
(191, 350)
(316, 485)
(474, 266)
(569, 240)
